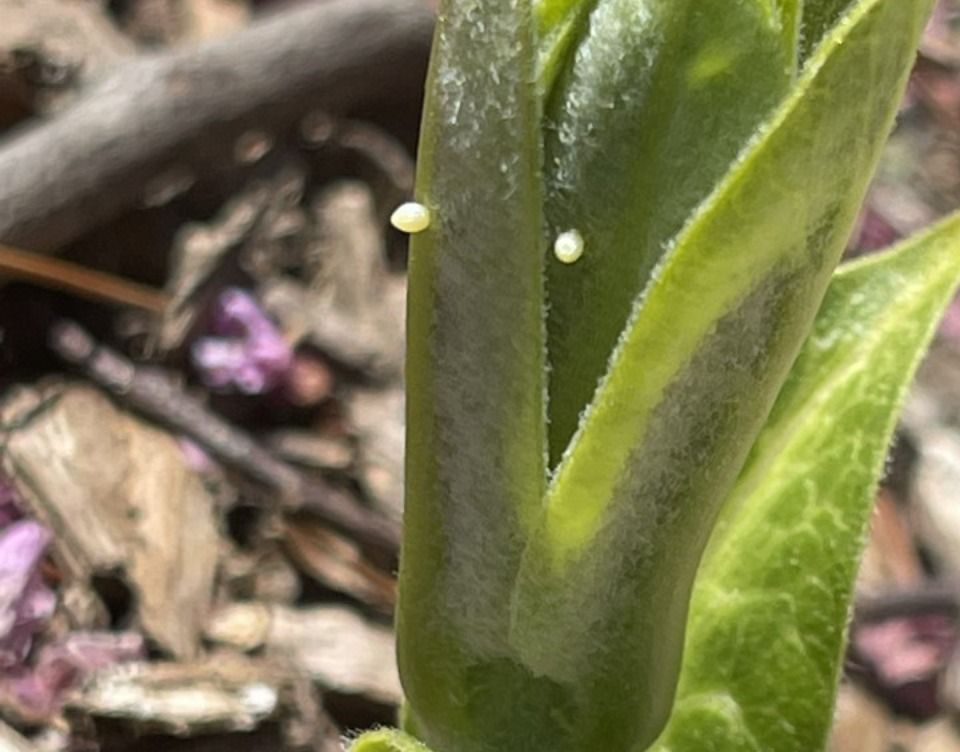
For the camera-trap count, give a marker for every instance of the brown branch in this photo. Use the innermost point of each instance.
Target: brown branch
(95, 159)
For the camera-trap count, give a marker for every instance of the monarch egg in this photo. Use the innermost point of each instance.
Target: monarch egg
(568, 246)
(411, 217)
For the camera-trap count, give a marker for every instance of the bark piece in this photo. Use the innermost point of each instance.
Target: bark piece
(153, 393)
(312, 450)
(254, 218)
(337, 562)
(71, 34)
(377, 418)
(938, 736)
(85, 166)
(935, 490)
(11, 741)
(861, 724)
(208, 19)
(334, 645)
(118, 496)
(349, 306)
(226, 692)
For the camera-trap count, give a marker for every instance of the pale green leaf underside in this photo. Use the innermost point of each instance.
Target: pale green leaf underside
(766, 626)
(692, 380)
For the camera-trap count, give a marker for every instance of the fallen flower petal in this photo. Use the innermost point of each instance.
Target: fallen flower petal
(61, 667)
(25, 602)
(89, 651)
(246, 350)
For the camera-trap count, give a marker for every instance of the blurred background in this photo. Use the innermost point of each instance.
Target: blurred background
(201, 348)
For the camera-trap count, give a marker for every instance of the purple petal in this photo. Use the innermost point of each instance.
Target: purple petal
(21, 546)
(39, 692)
(950, 323)
(246, 352)
(25, 602)
(90, 651)
(37, 604)
(872, 231)
(250, 378)
(272, 353)
(238, 313)
(195, 455)
(34, 696)
(217, 360)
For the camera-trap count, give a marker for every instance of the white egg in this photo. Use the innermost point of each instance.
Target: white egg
(411, 217)
(568, 246)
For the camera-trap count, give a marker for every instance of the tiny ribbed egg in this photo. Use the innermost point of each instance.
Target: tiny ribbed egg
(411, 217)
(568, 246)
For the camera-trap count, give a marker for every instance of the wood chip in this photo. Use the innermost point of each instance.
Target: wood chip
(938, 736)
(890, 561)
(118, 496)
(312, 450)
(80, 35)
(221, 693)
(11, 741)
(335, 646)
(208, 19)
(349, 305)
(860, 724)
(377, 418)
(336, 561)
(935, 489)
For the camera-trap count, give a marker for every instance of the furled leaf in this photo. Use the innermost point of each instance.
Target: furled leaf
(765, 634)
(559, 24)
(659, 99)
(475, 367)
(790, 19)
(601, 598)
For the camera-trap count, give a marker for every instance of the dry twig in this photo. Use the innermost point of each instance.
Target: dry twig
(182, 109)
(157, 397)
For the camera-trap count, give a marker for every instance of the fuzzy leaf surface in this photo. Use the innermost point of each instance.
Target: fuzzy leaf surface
(659, 98)
(766, 628)
(817, 18)
(559, 24)
(707, 349)
(790, 19)
(475, 365)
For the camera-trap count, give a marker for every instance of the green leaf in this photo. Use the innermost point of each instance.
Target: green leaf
(386, 740)
(692, 380)
(819, 16)
(790, 16)
(475, 425)
(767, 619)
(660, 98)
(559, 24)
